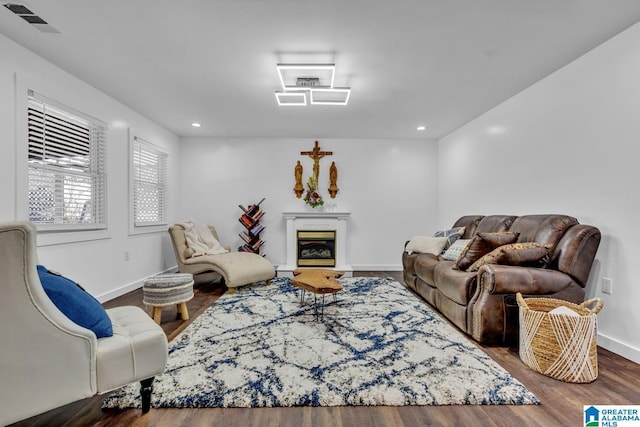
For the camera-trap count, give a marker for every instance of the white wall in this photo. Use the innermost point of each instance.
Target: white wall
(97, 263)
(388, 186)
(568, 144)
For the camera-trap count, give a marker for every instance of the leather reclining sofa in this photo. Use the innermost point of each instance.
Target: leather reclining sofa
(482, 303)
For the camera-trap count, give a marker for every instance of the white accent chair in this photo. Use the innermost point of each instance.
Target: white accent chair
(47, 360)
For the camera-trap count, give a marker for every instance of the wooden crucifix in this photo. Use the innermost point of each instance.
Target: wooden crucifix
(316, 155)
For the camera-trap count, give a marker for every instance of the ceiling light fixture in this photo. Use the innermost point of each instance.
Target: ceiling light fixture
(291, 99)
(421, 128)
(316, 80)
(195, 124)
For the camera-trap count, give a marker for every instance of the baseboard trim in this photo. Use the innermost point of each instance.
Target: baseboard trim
(115, 293)
(619, 348)
(377, 267)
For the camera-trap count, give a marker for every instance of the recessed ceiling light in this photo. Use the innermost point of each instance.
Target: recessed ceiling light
(195, 125)
(496, 130)
(421, 128)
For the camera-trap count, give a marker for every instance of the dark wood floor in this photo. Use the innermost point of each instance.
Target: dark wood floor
(618, 383)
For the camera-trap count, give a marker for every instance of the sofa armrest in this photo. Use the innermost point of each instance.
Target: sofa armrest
(492, 315)
(508, 279)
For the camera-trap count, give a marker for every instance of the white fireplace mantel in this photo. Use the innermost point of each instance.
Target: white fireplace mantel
(316, 221)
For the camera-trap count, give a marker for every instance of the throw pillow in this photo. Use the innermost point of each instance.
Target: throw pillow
(426, 245)
(455, 249)
(452, 235)
(527, 254)
(483, 243)
(75, 303)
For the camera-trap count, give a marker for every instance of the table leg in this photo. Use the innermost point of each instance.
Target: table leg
(183, 310)
(157, 314)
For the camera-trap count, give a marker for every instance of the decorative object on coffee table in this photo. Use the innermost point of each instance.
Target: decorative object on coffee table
(250, 220)
(164, 290)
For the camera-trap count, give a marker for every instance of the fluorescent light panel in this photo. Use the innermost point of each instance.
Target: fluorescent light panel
(335, 96)
(296, 99)
(288, 74)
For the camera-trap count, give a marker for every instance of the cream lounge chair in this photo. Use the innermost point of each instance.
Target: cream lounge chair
(236, 268)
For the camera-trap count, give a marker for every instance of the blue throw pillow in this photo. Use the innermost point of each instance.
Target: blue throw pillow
(77, 304)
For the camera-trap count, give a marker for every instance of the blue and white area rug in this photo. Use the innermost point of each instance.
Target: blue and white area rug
(377, 345)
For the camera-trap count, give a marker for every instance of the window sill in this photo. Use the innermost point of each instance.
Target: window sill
(49, 238)
(133, 231)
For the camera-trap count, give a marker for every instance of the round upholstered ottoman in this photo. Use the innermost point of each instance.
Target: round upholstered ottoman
(168, 289)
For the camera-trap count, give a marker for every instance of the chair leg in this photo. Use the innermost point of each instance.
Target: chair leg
(231, 290)
(146, 387)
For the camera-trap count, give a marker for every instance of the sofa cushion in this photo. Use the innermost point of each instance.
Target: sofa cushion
(456, 285)
(426, 245)
(408, 262)
(529, 254)
(542, 228)
(495, 223)
(425, 265)
(470, 223)
(481, 244)
(455, 250)
(451, 234)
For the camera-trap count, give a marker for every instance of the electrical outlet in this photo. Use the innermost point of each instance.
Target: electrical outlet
(126, 255)
(607, 286)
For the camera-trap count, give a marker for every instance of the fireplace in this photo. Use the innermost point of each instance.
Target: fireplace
(321, 245)
(316, 248)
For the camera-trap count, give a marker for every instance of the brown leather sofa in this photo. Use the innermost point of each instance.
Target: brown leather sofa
(482, 303)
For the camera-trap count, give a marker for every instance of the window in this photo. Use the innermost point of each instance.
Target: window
(149, 186)
(67, 167)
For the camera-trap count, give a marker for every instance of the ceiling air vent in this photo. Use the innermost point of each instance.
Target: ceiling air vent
(34, 20)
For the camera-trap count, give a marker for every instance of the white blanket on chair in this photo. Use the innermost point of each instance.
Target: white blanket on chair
(201, 239)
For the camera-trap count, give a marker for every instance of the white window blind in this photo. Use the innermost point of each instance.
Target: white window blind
(149, 165)
(67, 167)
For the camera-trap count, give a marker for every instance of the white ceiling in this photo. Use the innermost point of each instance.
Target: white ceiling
(408, 62)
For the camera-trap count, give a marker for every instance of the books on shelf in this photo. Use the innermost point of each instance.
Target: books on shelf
(250, 220)
(246, 221)
(256, 229)
(252, 208)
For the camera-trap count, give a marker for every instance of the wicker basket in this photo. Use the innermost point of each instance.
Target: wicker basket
(560, 346)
